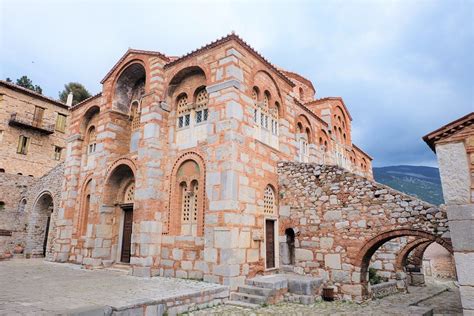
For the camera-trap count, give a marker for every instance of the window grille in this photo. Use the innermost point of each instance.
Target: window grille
(269, 201)
(202, 99)
(129, 193)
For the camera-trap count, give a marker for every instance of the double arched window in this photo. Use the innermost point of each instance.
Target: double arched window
(265, 113)
(195, 113)
(187, 199)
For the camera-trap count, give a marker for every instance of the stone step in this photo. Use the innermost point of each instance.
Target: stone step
(274, 282)
(242, 304)
(254, 290)
(248, 298)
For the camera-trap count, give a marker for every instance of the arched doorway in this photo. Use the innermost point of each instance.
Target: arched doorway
(119, 194)
(40, 227)
(287, 248)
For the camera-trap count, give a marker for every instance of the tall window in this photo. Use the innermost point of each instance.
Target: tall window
(23, 144)
(61, 123)
(85, 210)
(135, 115)
(202, 99)
(184, 113)
(269, 205)
(57, 152)
(91, 140)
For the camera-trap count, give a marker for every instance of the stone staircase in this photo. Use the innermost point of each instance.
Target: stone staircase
(271, 289)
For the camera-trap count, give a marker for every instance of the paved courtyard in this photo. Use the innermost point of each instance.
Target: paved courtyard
(34, 287)
(443, 298)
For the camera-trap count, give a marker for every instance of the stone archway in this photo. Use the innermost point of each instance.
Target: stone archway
(39, 239)
(364, 255)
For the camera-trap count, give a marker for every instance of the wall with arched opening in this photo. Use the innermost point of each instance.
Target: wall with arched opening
(344, 218)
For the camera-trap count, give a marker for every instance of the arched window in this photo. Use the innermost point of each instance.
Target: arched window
(91, 140)
(85, 210)
(202, 99)
(274, 115)
(135, 115)
(2, 170)
(255, 103)
(183, 111)
(266, 99)
(187, 200)
(22, 206)
(301, 93)
(269, 204)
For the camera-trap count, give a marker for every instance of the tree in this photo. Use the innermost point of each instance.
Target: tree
(26, 82)
(79, 92)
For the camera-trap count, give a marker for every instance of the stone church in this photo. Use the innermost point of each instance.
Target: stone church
(173, 167)
(216, 165)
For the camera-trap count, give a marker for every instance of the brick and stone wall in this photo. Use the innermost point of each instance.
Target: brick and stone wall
(342, 218)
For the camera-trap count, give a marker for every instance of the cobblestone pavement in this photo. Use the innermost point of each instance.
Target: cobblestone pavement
(35, 287)
(442, 297)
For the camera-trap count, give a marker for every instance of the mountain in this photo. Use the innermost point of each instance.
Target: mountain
(422, 182)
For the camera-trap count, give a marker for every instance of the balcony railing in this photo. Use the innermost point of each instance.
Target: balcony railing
(29, 121)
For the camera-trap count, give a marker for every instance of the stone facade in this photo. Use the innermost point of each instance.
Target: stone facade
(340, 219)
(173, 167)
(454, 147)
(28, 218)
(33, 131)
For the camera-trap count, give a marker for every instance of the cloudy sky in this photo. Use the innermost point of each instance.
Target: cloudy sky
(403, 68)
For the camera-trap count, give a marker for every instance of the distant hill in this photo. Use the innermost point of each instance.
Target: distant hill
(422, 182)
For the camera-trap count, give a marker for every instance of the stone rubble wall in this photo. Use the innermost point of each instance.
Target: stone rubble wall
(28, 223)
(335, 213)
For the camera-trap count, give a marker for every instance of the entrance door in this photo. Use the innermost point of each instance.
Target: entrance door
(46, 233)
(127, 234)
(270, 243)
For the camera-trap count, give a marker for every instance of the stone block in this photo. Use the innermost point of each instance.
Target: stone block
(326, 242)
(462, 234)
(144, 272)
(303, 255)
(227, 270)
(332, 216)
(332, 261)
(467, 297)
(210, 255)
(464, 267)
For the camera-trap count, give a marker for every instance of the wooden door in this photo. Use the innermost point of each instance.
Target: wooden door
(127, 234)
(38, 116)
(46, 233)
(270, 243)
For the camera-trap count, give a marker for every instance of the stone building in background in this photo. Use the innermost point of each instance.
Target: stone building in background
(454, 147)
(33, 131)
(172, 168)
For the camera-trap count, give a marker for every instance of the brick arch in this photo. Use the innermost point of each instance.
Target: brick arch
(416, 257)
(362, 259)
(135, 69)
(405, 252)
(121, 171)
(89, 114)
(181, 73)
(80, 218)
(173, 221)
(121, 161)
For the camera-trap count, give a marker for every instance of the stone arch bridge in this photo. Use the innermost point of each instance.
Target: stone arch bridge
(342, 219)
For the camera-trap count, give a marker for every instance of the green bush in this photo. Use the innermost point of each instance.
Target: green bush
(374, 278)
